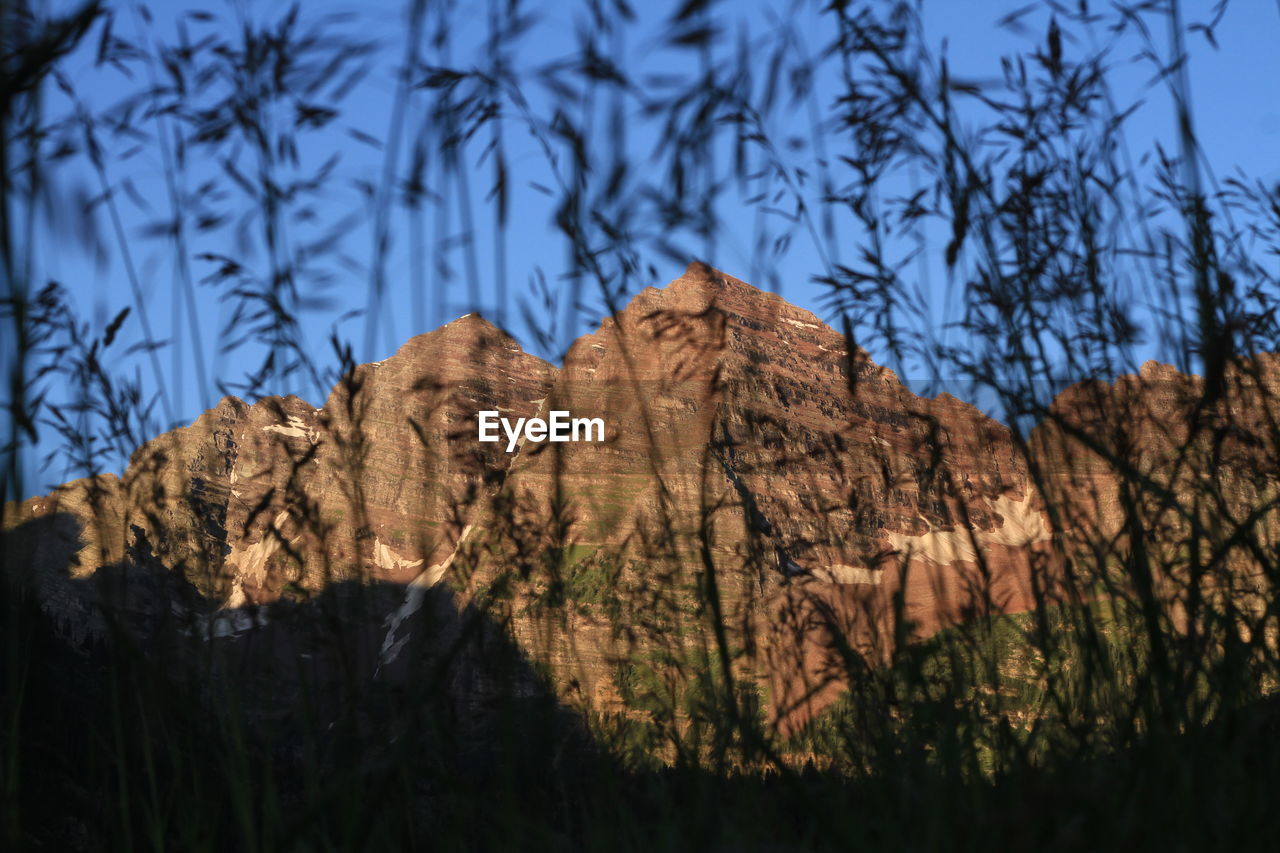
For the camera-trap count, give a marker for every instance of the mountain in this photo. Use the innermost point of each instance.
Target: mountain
(748, 446)
(766, 506)
(1167, 489)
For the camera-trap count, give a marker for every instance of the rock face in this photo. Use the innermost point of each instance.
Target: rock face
(250, 504)
(1170, 488)
(765, 501)
(748, 448)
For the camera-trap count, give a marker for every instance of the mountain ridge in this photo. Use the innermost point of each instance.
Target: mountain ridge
(752, 465)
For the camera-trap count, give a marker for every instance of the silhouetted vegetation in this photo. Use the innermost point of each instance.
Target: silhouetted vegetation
(155, 702)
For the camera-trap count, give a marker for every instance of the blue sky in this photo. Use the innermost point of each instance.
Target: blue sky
(1234, 99)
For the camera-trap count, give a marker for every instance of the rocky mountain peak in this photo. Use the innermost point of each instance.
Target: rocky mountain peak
(471, 333)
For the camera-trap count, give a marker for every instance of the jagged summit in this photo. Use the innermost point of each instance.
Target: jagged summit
(1152, 369)
(473, 322)
(470, 330)
(705, 316)
(702, 275)
(702, 287)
